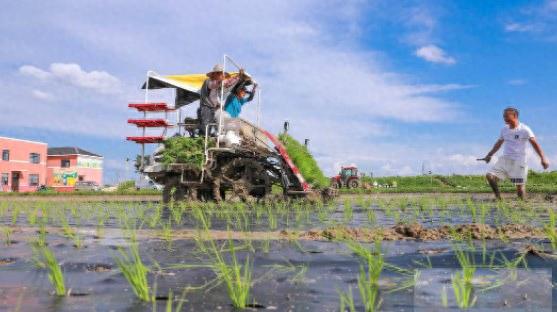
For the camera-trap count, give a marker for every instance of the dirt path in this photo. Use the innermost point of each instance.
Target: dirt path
(398, 232)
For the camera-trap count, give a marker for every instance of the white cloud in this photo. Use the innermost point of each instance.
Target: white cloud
(552, 5)
(100, 81)
(332, 90)
(390, 170)
(536, 18)
(464, 160)
(521, 27)
(35, 72)
(421, 23)
(434, 54)
(435, 88)
(72, 74)
(41, 95)
(516, 82)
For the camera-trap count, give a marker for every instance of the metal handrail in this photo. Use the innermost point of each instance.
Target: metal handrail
(205, 150)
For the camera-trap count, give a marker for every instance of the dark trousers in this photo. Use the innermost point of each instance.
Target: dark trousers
(206, 116)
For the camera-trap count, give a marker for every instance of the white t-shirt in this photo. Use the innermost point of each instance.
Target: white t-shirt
(515, 141)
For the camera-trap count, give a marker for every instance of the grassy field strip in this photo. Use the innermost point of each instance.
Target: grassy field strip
(80, 198)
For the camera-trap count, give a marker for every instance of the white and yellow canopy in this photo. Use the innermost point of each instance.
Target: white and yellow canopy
(189, 85)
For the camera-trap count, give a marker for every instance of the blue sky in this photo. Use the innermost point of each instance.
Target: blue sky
(387, 85)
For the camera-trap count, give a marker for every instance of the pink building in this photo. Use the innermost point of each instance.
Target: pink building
(68, 165)
(23, 165)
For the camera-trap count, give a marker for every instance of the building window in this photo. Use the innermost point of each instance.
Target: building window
(35, 158)
(65, 163)
(5, 178)
(6, 154)
(34, 180)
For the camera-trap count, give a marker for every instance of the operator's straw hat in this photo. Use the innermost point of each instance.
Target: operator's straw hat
(217, 69)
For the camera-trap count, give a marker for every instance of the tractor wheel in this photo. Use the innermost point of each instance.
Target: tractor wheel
(249, 179)
(175, 192)
(336, 184)
(353, 184)
(205, 195)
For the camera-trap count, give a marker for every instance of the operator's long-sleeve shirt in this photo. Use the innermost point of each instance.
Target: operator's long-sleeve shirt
(234, 104)
(214, 87)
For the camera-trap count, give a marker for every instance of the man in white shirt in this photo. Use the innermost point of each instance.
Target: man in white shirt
(512, 165)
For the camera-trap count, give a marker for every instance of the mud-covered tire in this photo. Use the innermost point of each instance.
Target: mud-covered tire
(173, 192)
(336, 184)
(248, 179)
(353, 184)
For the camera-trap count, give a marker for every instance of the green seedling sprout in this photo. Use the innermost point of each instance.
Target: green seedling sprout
(237, 278)
(549, 228)
(348, 212)
(41, 237)
(462, 281)
(134, 271)
(463, 289)
(347, 300)
(55, 275)
(8, 235)
(15, 214)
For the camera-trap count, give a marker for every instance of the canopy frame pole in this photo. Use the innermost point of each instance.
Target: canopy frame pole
(142, 163)
(221, 101)
(224, 59)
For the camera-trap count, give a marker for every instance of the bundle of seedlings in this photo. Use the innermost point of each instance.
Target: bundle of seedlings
(184, 150)
(303, 159)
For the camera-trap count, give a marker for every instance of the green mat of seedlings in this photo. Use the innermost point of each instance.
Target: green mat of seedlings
(303, 159)
(184, 150)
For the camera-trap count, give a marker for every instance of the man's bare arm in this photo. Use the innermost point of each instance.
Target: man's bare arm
(493, 150)
(539, 151)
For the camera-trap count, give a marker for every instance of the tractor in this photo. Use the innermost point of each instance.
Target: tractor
(347, 177)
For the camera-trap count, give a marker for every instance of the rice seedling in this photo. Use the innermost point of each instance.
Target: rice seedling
(66, 228)
(462, 281)
(444, 297)
(15, 214)
(8, 231)
(549, 228)
(32, 215)
(40, 241)
(170, 307)
(55, 275)
(463, 289)
(134, 271)
(371, 217)
(347, 301)
(236, 277)
(272, 219)
(473, 209)
(369, 290)
(167, 233)
(348, 212)
(299, 271)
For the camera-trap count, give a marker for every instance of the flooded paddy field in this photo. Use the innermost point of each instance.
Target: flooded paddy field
(358, 253)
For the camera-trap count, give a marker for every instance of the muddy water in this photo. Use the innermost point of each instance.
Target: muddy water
(299, 266)
(291, 276)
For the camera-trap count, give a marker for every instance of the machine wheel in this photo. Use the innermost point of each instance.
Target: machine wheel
(336, 184)
(174, 192)
(248, 178)
(353, 184)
